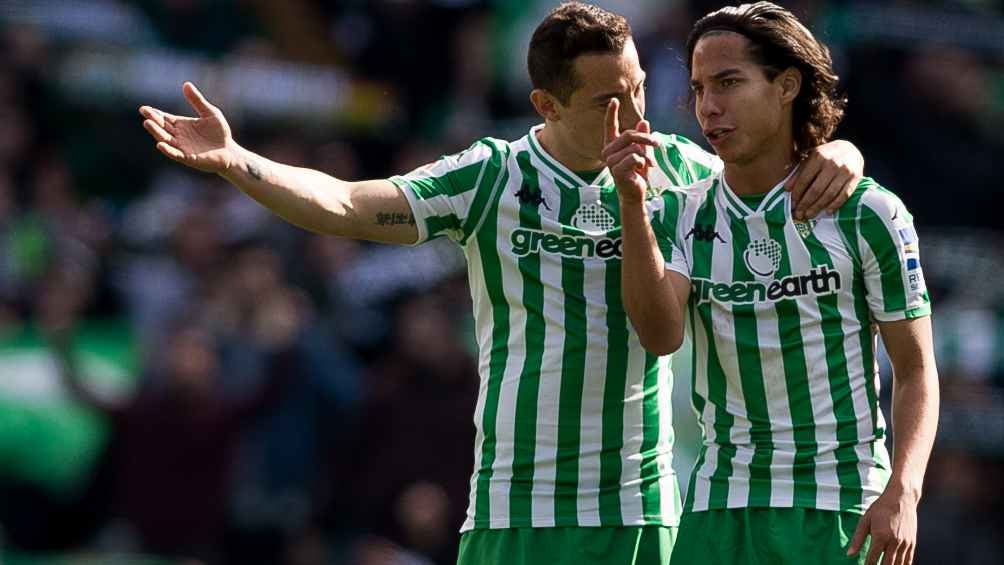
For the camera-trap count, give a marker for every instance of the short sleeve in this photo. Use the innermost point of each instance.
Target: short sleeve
(664, 222)
(446, 196)
(890, 258)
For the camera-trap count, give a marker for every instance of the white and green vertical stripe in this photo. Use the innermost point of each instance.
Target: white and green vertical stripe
(785, 386)
(573, 416)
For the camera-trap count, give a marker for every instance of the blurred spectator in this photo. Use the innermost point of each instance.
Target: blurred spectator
(408, 480)
(173, 442)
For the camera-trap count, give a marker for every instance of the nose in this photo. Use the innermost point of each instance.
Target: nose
(707, 106)
(632, 111)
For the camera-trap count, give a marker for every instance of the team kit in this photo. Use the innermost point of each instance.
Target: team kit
(783, 306)
(534, 231)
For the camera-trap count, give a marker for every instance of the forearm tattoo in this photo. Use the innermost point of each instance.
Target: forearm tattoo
(253, 170)
(394, 219)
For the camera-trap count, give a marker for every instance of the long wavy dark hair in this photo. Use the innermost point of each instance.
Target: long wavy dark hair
(779, 41)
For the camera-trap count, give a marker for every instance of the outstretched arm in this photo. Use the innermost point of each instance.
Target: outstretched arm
(654, 297)
(375, 210)
(892, 520)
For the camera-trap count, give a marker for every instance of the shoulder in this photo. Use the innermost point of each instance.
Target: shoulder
(487, 148)
(675, 140)
(485, 151)
(674, 203)
(687, 149)
(871, 201)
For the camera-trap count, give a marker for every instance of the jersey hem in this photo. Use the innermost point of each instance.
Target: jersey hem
(806, 504)
(680, 270)
(521, 524)
(910, 314)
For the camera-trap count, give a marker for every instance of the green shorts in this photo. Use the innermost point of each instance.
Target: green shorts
(638, 545)
(766, 536)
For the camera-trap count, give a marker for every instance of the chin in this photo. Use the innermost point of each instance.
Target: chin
(734, 156)
(728, 157)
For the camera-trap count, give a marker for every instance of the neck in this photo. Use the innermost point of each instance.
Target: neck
(763, 171)
(552, 142)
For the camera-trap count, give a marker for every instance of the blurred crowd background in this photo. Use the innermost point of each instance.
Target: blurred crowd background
(186, 379)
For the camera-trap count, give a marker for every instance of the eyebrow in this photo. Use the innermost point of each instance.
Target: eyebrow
(612, 94)
(719, 75)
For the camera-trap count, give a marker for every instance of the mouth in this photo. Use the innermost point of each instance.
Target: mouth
(718, 135)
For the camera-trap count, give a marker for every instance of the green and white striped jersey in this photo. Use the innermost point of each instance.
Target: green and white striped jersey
(781, 316)
(573, 416)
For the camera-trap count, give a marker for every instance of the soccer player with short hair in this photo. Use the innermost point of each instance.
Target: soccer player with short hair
(782, 313)
(574, 440)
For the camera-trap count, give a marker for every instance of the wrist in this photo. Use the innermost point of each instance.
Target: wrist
(234, 161)
(631, 202)
(907, 490)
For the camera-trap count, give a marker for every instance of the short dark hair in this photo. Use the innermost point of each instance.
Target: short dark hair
(779, 41)
(570, 30)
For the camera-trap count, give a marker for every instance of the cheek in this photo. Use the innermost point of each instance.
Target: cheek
(757, 110)
(587, 126)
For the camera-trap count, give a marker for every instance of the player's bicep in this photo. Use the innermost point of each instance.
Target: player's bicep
(382, 212)
(681, 287)
(909, 343)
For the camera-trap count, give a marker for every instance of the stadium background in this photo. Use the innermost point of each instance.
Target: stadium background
(364, 455)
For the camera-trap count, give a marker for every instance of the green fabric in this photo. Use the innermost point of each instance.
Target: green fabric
(638, 545)
(589, 176)
(12, 558)
(766, 536)
(46, 437)
(753, 200)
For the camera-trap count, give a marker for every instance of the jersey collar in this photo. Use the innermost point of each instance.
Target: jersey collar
(740, 210)
(560, 171)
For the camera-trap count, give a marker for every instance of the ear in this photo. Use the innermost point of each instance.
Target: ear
(546, 104)
(791, 84)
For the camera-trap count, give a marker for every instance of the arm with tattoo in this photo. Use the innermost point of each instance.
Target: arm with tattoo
(375, 210)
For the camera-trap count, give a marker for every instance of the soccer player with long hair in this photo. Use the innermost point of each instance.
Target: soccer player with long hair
(783, 313)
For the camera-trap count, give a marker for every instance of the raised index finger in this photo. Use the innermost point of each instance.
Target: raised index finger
(612, 130)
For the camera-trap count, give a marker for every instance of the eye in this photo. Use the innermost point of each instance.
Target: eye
(730, 82)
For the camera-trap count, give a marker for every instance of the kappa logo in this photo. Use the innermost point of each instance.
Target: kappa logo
(704, 232)
(526, 196)
(763, 257)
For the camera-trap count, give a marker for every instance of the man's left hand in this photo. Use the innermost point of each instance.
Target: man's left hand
(892, 524)
(826, 178)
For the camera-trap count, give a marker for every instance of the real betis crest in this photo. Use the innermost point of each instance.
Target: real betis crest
(592, 217)
(805, 228)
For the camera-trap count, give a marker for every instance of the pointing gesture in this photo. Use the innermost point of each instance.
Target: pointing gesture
(626, 154)
(204, 143)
